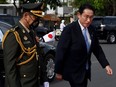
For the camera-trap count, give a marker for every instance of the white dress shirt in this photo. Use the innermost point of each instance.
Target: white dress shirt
(87, 33)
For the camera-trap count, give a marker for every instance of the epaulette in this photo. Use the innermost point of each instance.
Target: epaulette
(14, 29)
(31, 52)
(7, 32)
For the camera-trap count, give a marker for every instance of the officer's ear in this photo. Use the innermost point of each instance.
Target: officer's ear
(26, 14)
(78, 14)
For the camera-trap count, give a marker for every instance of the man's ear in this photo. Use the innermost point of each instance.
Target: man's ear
(26, 14)
(78, 14)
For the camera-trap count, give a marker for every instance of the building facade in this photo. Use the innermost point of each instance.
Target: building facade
(60, 11)
(7, 9)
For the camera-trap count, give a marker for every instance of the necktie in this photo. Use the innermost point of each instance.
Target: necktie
(86, 39)
(87, 45)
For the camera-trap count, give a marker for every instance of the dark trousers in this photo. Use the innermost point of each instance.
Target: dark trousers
(83, 84)
(1, 81)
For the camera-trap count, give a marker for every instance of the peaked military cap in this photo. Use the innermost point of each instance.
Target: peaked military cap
(34, 8)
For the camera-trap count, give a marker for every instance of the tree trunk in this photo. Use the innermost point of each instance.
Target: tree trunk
(114, 7)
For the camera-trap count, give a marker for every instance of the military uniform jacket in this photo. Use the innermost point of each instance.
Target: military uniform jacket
(25, 75)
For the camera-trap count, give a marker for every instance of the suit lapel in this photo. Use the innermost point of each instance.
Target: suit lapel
(91, 36)
(81, 37)
(79, 31)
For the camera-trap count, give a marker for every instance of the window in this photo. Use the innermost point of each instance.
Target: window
(7, 18)
(1, 35)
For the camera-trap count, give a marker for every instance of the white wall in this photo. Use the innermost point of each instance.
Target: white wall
(11, 1)
(50, 11)
(60, 11)
(9, 9)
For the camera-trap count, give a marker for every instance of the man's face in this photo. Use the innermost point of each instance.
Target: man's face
(86, 17)
(34, 21)
(32, 18)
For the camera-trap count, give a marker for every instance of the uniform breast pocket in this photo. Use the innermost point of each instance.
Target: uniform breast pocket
(28, 44)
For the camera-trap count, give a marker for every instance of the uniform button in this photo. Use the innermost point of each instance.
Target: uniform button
(38, 66)
(24, 75)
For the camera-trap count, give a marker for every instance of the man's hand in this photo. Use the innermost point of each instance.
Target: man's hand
(58, 76)
(109, 70)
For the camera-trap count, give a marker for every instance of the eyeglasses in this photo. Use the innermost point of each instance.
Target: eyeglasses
(86, 17)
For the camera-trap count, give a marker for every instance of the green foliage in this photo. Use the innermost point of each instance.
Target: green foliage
(24, 1)
(2, 1)
(98, 4)
(32, 1)
(103, 7)
(53, 3)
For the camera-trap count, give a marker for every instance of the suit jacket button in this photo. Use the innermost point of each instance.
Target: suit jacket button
(24, 75)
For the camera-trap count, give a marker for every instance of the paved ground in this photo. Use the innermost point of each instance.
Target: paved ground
(99, 76)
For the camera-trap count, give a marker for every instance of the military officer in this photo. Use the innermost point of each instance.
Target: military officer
(20, 49)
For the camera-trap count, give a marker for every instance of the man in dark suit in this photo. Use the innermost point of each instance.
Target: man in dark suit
(77, 42)
(21, 49)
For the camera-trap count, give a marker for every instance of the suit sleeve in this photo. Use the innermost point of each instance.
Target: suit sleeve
(98, 52)
(10, 55)
(61, 49)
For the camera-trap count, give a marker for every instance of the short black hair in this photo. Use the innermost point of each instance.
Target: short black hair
(86, 6)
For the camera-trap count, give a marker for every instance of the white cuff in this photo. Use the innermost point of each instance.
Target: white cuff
(46, 84)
